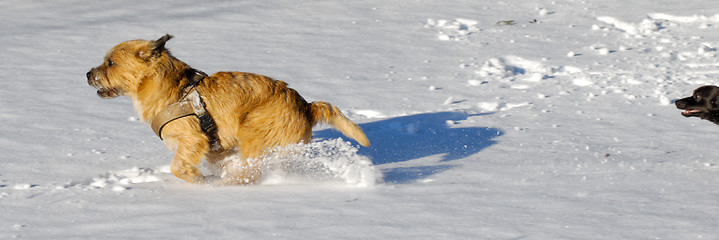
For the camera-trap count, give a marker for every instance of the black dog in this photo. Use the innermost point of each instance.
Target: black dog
(702, 104)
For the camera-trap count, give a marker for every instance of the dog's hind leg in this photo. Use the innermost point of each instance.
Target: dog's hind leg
(242, 172)
(247, 169)
(218, 158)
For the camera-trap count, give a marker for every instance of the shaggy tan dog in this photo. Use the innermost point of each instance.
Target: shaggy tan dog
(247, 112)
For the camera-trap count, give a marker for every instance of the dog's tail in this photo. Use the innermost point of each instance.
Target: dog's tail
(323, 112)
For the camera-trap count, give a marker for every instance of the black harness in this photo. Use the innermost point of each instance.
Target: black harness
(190, 103)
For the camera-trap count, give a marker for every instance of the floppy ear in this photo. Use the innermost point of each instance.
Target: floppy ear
(156, 47)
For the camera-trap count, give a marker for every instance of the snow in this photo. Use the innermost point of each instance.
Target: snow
(488, 120)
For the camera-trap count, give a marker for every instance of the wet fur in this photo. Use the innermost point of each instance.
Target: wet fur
(254, 113)
(704, 104)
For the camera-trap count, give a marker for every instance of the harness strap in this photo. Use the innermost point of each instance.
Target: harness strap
(169, 114)
(190, 104)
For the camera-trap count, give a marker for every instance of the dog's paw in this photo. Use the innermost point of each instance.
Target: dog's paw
(189, 176)
(188, 173)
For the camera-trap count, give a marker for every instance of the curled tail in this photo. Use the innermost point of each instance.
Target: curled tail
(323, 112)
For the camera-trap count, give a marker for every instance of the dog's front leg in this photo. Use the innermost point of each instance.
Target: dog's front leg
(187, 158)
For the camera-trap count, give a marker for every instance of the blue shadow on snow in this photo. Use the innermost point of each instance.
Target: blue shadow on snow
(406, 138)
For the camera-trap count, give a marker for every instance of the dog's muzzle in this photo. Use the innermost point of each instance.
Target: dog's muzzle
(94, 80)
(685, 104)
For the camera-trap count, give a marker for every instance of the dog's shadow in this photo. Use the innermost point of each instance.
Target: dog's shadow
(406, 138)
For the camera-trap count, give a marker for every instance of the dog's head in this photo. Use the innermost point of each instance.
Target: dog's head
(704, 103)
(126, 65)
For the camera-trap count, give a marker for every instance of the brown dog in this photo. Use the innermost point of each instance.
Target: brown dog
(246, 112)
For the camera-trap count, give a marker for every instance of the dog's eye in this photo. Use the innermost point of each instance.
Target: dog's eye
(110, 63)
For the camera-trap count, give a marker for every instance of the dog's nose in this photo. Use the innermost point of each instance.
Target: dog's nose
(88, 74)
(680, 104)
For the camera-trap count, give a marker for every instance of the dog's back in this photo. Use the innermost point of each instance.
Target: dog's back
(256, 112)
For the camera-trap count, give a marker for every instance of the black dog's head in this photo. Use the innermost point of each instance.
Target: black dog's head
(704, 103)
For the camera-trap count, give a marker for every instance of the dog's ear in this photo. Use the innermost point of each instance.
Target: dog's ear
(158, 45)
(155, 48)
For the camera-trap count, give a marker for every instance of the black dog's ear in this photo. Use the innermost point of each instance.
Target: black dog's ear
(155, 48)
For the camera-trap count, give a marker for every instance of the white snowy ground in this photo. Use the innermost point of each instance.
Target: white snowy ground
(488, 120)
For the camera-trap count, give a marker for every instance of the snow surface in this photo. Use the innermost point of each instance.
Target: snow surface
(488, 120)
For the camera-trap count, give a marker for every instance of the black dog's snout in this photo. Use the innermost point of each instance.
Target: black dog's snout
(683, 103)
(680, 104)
